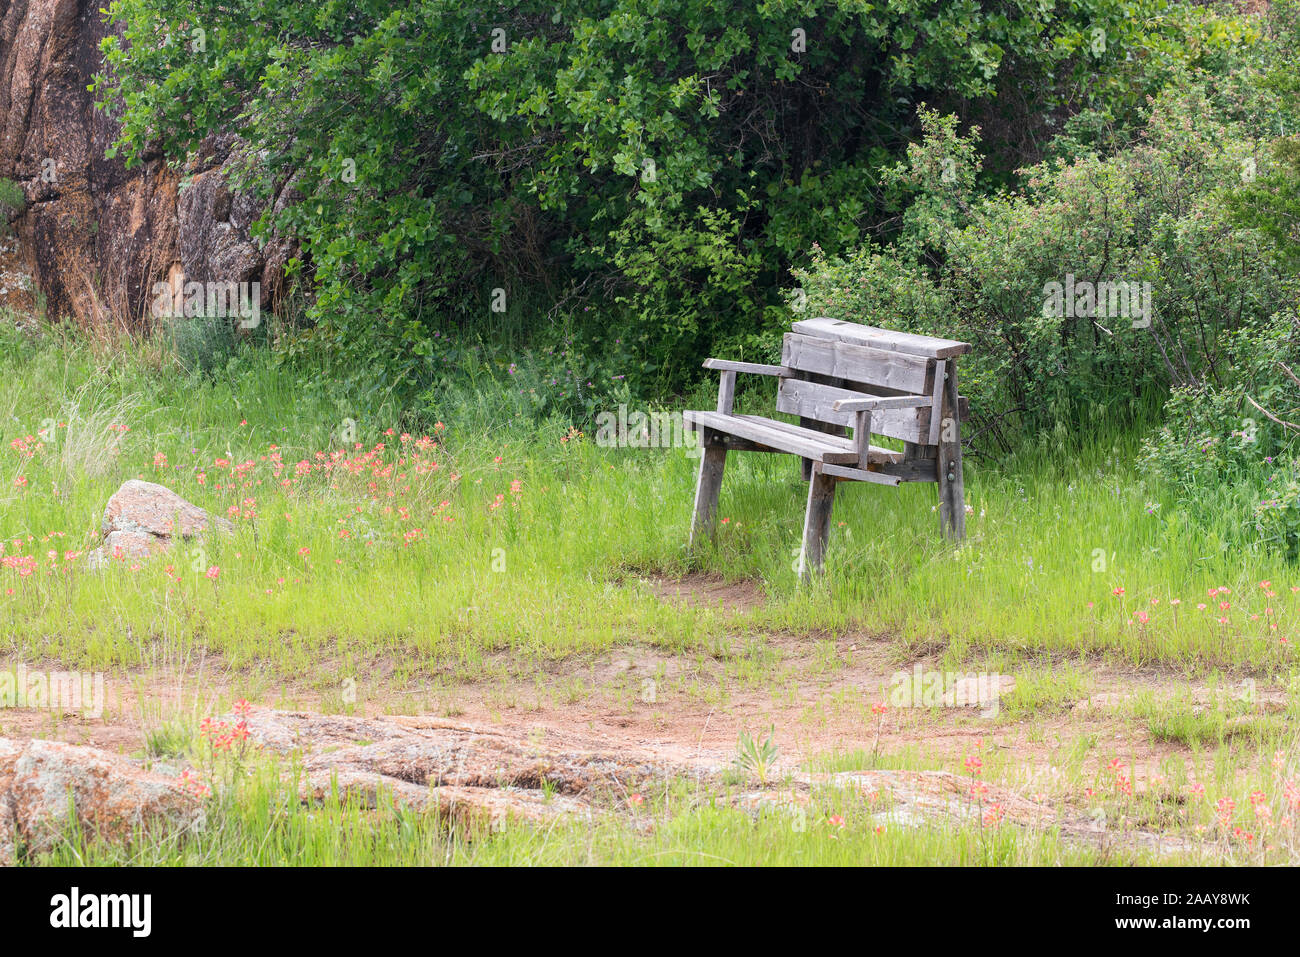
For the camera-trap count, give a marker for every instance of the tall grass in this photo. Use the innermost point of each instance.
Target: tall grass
(267, 825)
(1069, 551)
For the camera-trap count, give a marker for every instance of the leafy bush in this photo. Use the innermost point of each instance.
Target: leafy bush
(1228, 446)
(1270, 202)
(673, 157)
(1225, 449)
(1021, 273)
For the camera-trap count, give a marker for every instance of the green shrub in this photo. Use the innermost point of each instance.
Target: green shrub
(997, 270)
(1269, 199)
(674, 157)
(564, 377)
(1226, 459)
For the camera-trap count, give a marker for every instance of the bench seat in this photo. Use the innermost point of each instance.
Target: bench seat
(838, 376)
(786, 437)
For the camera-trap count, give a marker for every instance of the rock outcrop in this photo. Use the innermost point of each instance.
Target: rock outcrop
(480, 778)
(44, 785)
(485, 776)
(143, 519)
(96, 236)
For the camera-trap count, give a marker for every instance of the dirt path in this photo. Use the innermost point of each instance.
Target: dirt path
(1048, 741)
(815, 693)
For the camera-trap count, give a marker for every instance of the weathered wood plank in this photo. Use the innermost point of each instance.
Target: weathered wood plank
(816, 522)
(878, 453)
(886, 339)
(726, 391)
(952, 494)
(777, 435)
(707, 489)
(883, 403)
(887, 369)
(712, 438)
(737, 429)
(837, 440)
(940, 370)
(757, 368)
(862, 437)
(912, 470)
(817, 401)
(848, 474)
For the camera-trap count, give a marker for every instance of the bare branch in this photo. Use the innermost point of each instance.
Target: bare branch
(1282, 422)
(1291, 374)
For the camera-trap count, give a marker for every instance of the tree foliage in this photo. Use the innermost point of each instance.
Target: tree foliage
(1099, 230)
(669, 158)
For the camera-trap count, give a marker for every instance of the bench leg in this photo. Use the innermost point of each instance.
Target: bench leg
(952, 491)
(817, 522)
(952, 503)
(706, 492)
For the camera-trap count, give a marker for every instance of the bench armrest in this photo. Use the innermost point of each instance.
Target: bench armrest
(725, 365)
(882, 403)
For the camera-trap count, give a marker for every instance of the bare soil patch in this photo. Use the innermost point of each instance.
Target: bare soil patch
(706, 590)
(686, 709)
(814, 693)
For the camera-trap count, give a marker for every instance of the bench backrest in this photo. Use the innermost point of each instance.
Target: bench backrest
(832, 360)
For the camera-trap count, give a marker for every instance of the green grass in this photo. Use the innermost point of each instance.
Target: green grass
(423, 564)
(364, 561)
(1045, 691)
(264, 824)
(1210, 725)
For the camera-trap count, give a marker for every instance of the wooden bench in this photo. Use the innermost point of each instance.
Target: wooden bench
(835, 376)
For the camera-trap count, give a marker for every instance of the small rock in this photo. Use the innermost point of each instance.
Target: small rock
(154, 509)
(142, 519)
